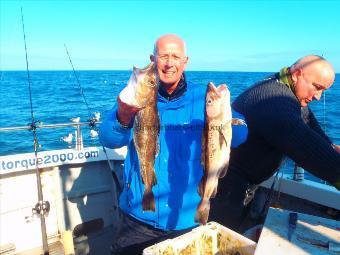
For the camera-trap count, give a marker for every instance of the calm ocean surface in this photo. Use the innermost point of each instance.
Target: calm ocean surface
(57, 98)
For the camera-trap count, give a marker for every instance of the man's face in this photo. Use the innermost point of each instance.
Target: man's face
(309, 85)
(170, 62)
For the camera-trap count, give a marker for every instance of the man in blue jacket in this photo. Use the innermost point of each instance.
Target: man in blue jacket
(177, 166)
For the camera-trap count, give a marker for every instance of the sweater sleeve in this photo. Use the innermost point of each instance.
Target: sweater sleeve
(310, 119)
(112, 134)
(279, 122)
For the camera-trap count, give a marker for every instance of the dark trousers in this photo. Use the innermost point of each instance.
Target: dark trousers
(231, 205)
(134, 236)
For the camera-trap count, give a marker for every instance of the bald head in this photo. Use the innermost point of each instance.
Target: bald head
(169, 39)
(311, 76)
(317, 66)
(170, 59)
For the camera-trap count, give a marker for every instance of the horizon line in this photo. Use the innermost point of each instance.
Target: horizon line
(128, 70)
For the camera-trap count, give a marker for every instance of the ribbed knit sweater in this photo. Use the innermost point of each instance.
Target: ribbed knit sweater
(278, 126)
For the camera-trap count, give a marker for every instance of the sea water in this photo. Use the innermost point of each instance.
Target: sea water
(57, 97)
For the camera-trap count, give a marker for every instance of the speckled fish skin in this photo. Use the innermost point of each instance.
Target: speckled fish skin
(216, 141)
(145, 135)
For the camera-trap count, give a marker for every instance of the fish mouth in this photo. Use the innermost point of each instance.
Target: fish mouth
(215, 93)
(212, 87)
(211, 84)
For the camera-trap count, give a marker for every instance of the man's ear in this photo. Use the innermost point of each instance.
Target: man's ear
(297, 72)
(186, 60)
(152, 58)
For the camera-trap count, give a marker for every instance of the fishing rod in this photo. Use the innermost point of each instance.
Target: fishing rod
(80, 88)
(92, 123)
(42, 207)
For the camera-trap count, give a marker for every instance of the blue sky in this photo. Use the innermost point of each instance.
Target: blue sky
(220, 35)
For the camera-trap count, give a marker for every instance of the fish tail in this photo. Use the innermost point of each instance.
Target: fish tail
(202, 212)
(148, 202)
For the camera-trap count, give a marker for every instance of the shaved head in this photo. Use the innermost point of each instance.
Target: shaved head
(170, 58)
(169, 38)
(317, 65)
(311, 76)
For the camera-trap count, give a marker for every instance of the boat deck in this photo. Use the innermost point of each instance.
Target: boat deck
(54, 249)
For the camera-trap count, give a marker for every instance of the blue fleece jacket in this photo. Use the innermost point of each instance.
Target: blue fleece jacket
(177, 166)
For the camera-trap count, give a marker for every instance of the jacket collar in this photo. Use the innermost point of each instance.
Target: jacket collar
(286, 78)
(178, 92)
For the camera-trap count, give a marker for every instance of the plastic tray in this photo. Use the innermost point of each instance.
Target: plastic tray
(211, 239)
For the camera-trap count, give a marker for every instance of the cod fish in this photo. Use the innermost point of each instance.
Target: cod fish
(141, 92)
(216, 140)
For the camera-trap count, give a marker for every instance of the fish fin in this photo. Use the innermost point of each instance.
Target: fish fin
(224, 171)
(148, 202)
(225, 134)
(215, 190)
(202, 212)
(201, 186)
(222, 139)
(142, 172)
(137, 125)
(157, 147)
(154, 178)
(238, 122)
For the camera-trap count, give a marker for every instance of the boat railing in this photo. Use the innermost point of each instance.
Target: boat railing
(289, 183)
(76, 124)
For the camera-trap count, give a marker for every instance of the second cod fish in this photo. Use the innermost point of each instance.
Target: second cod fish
(216, 140)
(141, 92)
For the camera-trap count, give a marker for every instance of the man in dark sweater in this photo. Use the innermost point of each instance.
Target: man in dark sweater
(279, 124)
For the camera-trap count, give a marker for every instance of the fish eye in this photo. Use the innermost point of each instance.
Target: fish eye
(209, 101)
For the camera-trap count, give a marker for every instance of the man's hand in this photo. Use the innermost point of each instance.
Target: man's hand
(126, 112)
(336, 147)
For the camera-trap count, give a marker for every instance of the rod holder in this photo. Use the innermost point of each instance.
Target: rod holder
(79, 138)
(299, 173)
